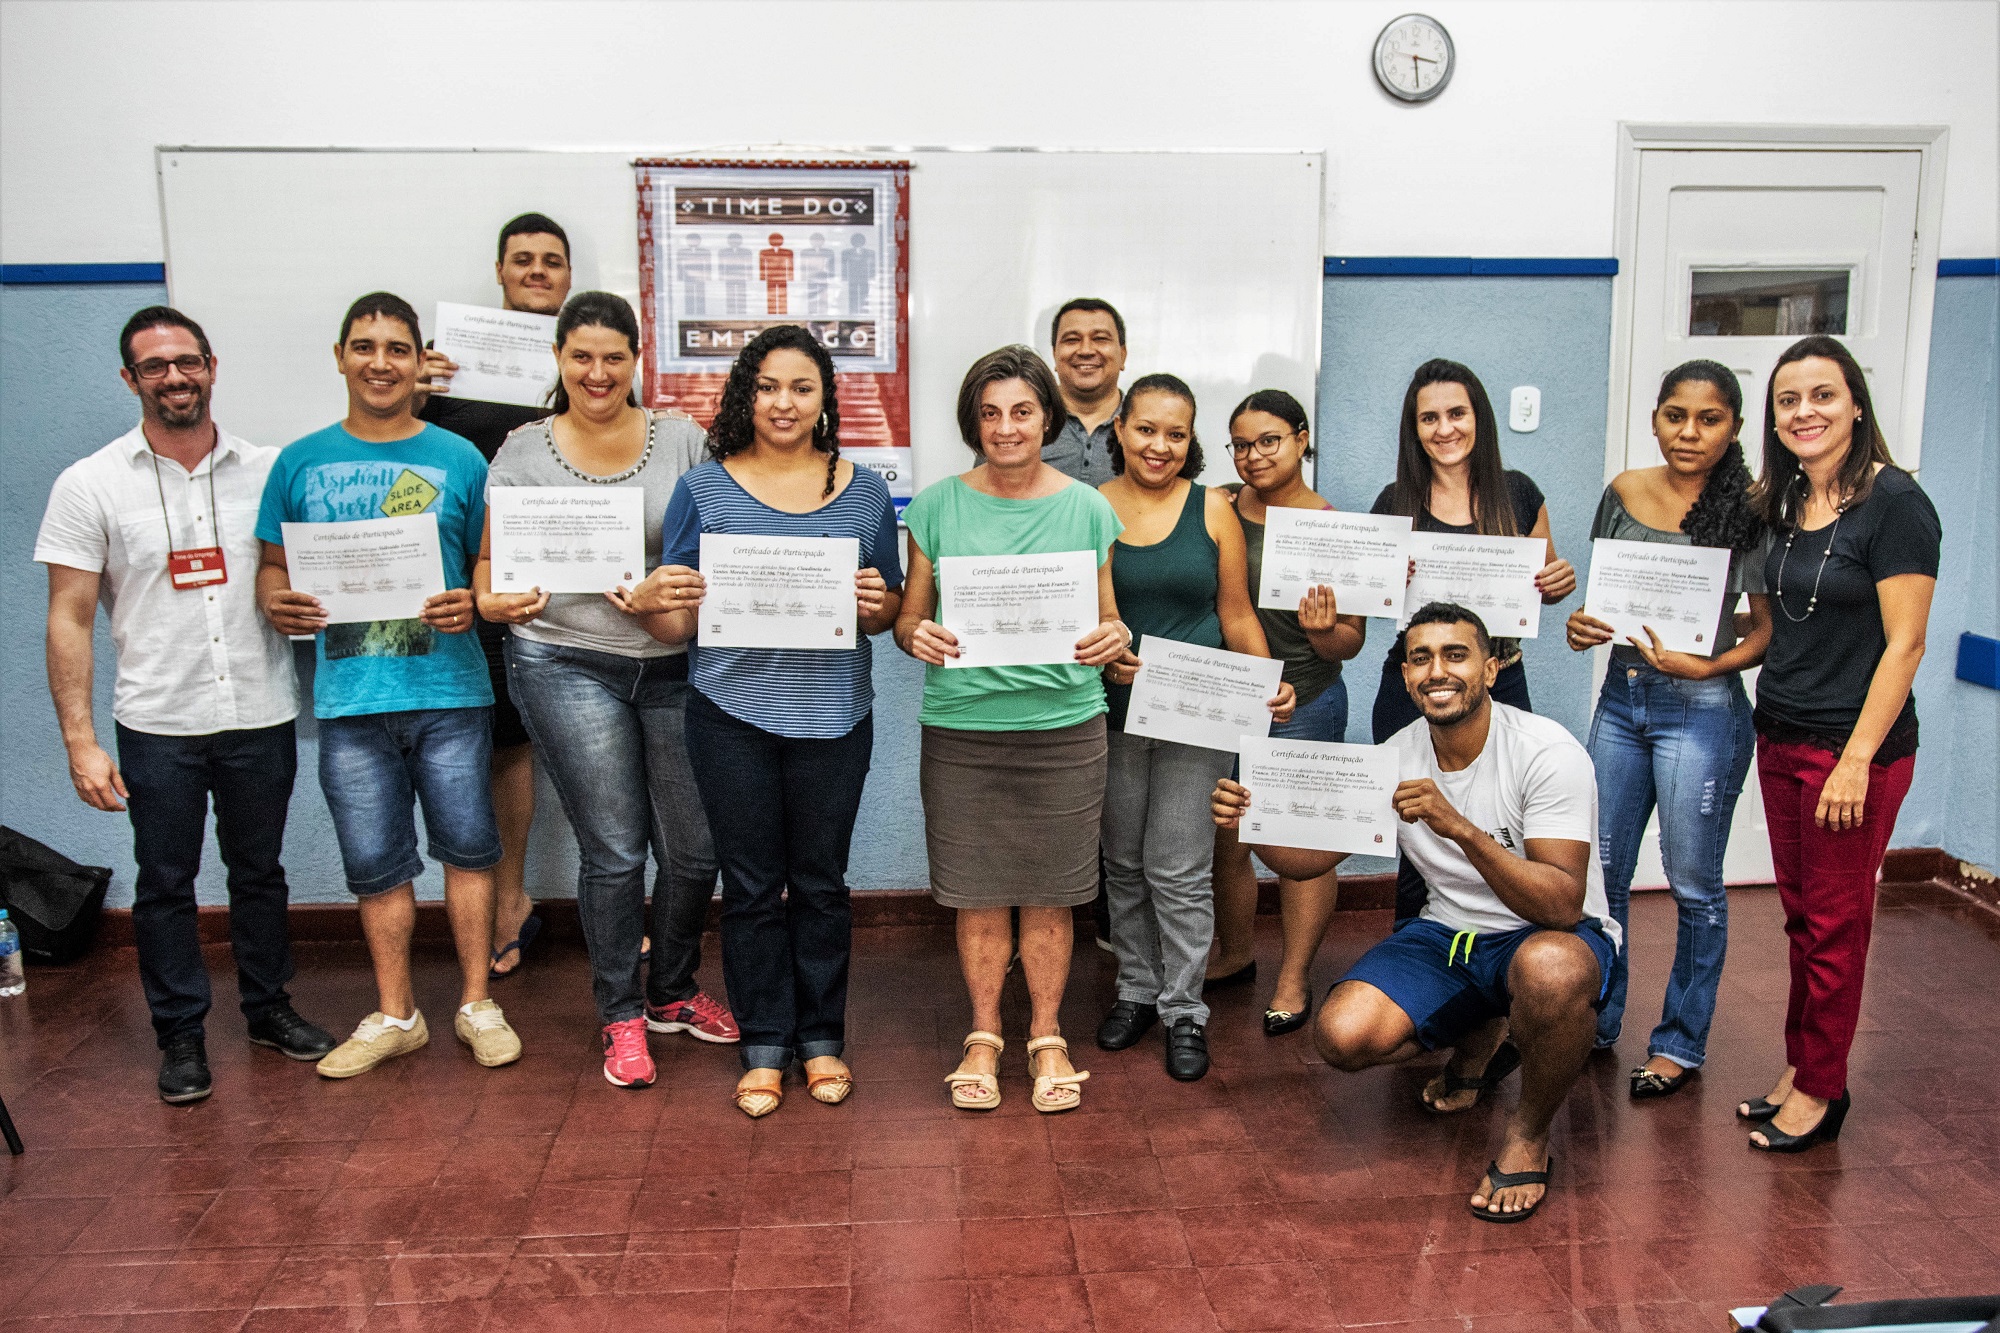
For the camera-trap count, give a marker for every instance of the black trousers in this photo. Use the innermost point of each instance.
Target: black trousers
(171, 780)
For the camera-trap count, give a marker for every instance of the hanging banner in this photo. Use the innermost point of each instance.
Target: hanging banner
(729, 248)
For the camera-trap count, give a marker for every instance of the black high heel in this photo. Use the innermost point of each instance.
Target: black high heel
(1761, 1109)
(1826, 1131)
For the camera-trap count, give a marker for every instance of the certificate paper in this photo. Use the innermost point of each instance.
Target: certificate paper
(1320, 795)
(567, 538)
(778, 592)
(504, 356)
(1364, 558)
(1677, 590)
(1494, 576)
(1017, 610)
(1201, 696)
(367, 569)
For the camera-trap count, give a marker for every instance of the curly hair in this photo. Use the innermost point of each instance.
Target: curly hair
(1174, 387)
(734, 429)
(1722, 514)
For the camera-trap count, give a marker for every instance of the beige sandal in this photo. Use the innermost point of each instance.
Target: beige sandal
(759, 1101)
(965, 1085)
(1054, 1092)
(830, 1089)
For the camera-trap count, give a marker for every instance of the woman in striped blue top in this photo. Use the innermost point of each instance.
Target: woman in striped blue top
(780, 738)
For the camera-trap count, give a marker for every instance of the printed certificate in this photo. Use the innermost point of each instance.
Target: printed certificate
(1017, 610)
(779, 592)
(566, 538)
(504, 356)
(1676, 590)
(1320, 795)
(1364, 558)
(1494, 576)
(1201, 696)
(367, 569)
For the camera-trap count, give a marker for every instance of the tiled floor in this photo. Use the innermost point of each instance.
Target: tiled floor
(1275, 1194)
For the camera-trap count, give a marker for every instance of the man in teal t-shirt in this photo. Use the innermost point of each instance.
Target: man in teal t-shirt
(403, 705)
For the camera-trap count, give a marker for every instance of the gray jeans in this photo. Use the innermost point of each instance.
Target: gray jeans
(1159, 847)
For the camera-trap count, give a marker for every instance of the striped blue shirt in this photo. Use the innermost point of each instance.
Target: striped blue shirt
(788, 691)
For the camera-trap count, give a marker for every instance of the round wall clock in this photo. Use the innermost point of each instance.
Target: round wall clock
(1414, 58)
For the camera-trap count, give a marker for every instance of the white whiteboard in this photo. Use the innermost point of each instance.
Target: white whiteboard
(1214, 259)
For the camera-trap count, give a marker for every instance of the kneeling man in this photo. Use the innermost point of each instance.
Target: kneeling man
(1500, 814)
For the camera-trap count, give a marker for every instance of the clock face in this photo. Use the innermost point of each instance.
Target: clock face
(1413, 58)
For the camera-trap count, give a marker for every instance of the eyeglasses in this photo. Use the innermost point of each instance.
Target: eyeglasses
(156, 368)
(1265, 445)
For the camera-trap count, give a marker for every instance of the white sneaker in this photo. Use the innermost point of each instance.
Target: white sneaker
(484, 1028)
(376, 1040)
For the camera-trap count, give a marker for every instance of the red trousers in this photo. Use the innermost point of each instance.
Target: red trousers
(1826, 881)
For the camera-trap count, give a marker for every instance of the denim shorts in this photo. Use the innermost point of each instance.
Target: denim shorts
(1324, 719)
(377, 767)
(1449, 982)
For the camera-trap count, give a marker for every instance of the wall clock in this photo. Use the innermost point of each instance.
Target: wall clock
(1414, 58)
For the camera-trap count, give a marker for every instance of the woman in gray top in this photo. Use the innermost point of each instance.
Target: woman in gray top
(1673, 730)
(605, 701)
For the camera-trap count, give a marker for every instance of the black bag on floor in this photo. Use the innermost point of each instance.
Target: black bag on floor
(1806, 1308)
(55, 902)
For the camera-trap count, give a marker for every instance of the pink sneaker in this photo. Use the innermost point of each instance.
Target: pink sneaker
(699, 1016)
(627, 1062)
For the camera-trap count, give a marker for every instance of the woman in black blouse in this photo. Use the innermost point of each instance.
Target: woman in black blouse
(1851, 574)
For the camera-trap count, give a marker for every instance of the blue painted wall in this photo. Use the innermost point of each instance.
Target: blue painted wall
(60, 399)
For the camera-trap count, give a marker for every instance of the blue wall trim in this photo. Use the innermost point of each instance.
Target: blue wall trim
(35, 274)
(1381, 266)
(1969, 268)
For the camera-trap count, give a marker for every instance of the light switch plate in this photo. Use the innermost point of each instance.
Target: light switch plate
(1524, 411)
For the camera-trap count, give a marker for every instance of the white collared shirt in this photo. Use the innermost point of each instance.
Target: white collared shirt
(191, 661)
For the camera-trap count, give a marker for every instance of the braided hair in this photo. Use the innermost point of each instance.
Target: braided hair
(734, 429)
(1722, 514)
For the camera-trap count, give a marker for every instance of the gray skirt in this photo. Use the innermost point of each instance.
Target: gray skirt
(1011, 817)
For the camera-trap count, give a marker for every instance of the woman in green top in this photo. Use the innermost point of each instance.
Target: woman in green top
(1180, 578)
(1013, 756)
(1270, 442)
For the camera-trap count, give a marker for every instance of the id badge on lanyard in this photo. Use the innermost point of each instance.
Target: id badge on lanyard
(193, 566)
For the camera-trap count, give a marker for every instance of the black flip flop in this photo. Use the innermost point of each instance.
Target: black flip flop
(1496, 1179)
(530, 928)
(1506, 1059)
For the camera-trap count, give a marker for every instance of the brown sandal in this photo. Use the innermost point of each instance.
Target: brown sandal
(836, 1086)
(745, 1097)
(964, 1085)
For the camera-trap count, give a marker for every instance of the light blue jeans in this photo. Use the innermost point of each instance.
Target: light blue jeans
(1685, 746)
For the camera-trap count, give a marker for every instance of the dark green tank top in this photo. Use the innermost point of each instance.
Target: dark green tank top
(1167, 589)
(1306, 671)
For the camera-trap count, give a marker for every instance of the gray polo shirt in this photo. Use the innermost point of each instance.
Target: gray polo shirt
(1083, 454)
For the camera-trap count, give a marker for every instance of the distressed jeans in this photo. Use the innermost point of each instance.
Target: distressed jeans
(1683, 746)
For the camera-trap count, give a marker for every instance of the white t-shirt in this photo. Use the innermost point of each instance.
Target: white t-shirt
(1533, 780)
(191, 661)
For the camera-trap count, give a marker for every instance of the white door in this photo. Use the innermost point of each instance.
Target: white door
(1740, 253)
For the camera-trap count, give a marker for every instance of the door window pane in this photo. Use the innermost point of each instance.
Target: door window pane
(1753, 303)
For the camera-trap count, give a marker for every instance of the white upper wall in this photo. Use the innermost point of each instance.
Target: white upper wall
(1515, 158)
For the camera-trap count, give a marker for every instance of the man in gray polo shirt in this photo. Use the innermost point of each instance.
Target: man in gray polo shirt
(1088, 338)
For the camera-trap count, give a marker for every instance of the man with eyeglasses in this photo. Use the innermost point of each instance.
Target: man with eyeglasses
(1087, 337)
(159, 525)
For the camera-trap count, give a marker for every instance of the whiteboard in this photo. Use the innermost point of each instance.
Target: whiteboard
(1214, 259)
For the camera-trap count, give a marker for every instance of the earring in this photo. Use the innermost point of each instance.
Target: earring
(824, 423)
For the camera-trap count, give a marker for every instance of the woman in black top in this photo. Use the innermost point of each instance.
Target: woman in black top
(1851, 574)
(1449, 478)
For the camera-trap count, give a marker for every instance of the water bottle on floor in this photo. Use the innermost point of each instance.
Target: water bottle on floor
(12, 979)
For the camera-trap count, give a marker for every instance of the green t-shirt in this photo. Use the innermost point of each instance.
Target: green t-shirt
(950, 518)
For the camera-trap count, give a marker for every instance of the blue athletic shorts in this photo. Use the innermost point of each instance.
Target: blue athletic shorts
(1449, 982)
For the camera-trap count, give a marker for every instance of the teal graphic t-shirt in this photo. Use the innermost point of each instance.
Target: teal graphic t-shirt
(388, 666)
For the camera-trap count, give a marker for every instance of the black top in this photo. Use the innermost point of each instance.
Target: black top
(1527, 498)
(485, 424)
(1825, 646)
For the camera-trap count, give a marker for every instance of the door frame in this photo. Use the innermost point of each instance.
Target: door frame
(1635, 138)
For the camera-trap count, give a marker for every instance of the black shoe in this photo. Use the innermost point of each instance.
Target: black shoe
(1826, 1131)
(281, 1028)
(1242, 976)
(1187, 1050)
(1125, 1024)
(1277, 1022)
(1647, 1085)
(184, 1069)
(1757, 1110)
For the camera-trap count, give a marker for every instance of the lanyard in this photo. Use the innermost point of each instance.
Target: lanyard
(214, 515)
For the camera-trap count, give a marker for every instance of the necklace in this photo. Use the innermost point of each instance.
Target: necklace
(645, 457)
(1812, 601)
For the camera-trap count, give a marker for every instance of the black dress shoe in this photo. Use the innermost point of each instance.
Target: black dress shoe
(1125, 1024)
(1826, 1131)
(281, 1028)
(184, 1069)
(1277, 1022)
(1187, 1050)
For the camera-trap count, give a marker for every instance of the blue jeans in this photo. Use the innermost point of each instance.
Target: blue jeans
(783, 811)
(1324, 719)
(1686, 746)
(169, 781)
(611, 731)
(376, 767)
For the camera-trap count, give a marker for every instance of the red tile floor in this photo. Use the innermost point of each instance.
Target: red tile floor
(1276, 1194)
